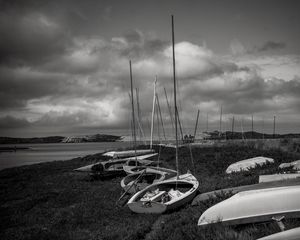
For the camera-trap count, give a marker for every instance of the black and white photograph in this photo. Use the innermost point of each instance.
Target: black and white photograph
(148, 120)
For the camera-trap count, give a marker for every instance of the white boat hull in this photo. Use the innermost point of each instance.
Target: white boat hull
(255, 206)
(128, 153)
(247, 164)
(141, 202)
(277, 177)
(291, 234)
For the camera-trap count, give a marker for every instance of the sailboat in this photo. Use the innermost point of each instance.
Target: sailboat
(142, 176)
(168, 194)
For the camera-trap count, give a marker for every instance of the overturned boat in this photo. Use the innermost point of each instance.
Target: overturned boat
(277, 177)
(247, 164)
(143, 176)
(291, 234)
(295, 165)
(128, 153)
(166, 195)
(255, 206)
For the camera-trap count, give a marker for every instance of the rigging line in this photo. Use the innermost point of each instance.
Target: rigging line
(192, 159)
(161, 120)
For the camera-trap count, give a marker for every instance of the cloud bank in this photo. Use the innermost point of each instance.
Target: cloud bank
(51, 75)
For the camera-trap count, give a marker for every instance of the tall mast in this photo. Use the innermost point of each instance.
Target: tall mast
(169, 108)
(133, 118)
(161, 120)
(153, 108)
(220, 133)
(252, 126)
(175, 104)
(274, 126)
(196, 124)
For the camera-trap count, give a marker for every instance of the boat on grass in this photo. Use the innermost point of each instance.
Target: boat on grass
(247, 164)
(277, 177)
(294, 165)
(255, 206)
(115, 166)
(233, 190)
(128, 153)
(291, 234)
(172, 193)
(164, 196)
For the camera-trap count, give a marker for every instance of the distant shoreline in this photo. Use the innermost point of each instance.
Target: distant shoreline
(62, 139)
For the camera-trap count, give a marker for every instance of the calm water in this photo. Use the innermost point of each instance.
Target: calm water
(53, 151)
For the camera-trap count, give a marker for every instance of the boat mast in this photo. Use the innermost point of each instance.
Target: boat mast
(133, 118)
(196, 125)
(161, 120)
(175, 105)
(153, 108)
(169, 108)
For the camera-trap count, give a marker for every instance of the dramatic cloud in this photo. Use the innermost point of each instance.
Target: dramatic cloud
(270, 45)
(55, 72)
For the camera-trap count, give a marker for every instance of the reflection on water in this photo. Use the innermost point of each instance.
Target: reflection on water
(53, 151)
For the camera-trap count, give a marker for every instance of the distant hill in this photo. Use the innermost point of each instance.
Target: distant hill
(61, 139)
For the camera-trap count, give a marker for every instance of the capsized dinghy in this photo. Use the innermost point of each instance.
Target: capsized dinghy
(291, 234)
(128, 153)
(295, 165)
(247, 164)
(145, 176)
(166, 195)
(255, 206)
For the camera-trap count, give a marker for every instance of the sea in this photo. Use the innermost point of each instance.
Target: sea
(47, 152)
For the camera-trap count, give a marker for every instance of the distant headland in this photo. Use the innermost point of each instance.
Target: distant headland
(62, 139)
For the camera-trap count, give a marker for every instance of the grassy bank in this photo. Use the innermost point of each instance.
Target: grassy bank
(50, 201)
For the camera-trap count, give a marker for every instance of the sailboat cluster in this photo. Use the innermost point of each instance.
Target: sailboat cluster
(154, 189)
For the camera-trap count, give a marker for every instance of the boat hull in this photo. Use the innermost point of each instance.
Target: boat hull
(255, 206)
(247, 164)
(156, 204)
(291, 234)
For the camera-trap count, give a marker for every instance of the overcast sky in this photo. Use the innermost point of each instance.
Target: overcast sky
(64, 64)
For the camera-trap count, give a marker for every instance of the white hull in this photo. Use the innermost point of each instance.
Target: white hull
(278, 177)
(128, 153)
(265, 185)
(291, 234)
(295, 165)
(160, 197)
(255, 206)
(247, 164)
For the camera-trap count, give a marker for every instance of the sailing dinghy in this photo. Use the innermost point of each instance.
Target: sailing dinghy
(255, 206)
(164, 196)
(174, 192)
(115, 166)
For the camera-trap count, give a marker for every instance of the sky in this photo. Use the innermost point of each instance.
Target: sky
(64, 65)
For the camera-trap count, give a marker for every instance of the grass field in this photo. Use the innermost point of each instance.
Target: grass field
(50, 201)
